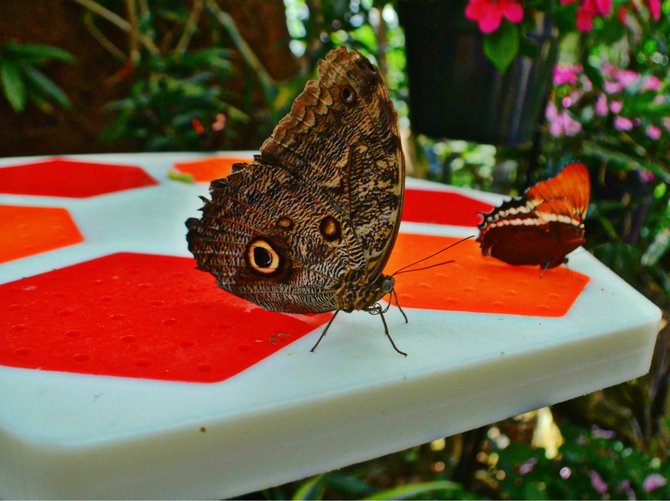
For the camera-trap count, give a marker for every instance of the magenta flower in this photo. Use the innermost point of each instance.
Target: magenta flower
(652, 82)
(654, 7)
(527, 466)
(623, 123)
(601, 105)
(653, 482)
(616, 106)
(612, 87)
(489, 13)
(625, 486)
(566, 74)
(627, 78)
(597, 482)
(584, 20)
(653, 132)
(561, 123)
(590, 9)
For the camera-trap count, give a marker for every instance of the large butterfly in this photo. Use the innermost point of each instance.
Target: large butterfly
(542, 226)
(308, 226)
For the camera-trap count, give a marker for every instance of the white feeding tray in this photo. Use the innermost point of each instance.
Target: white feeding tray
(100, 429)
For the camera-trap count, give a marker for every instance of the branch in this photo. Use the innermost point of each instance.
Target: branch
(225, 19)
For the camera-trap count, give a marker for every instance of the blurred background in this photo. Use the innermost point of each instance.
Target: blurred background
(491, 94)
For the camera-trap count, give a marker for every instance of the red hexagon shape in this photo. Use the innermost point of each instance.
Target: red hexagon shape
(138, 315)
(25, 231)
(67, 178)
(204, 170)
(442, 207)
(477, 283)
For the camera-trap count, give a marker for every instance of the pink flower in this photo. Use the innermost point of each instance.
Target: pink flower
(652, 82)
(624, 486)
(489, 13)
(561, 123)
(616, 106)
(627, 78)
(654, 9)
(623, 123)
(653, 132)
(601, 105)
(612, 87)
(597, 482)
(527, 466)
(653, 482)
(566, 74)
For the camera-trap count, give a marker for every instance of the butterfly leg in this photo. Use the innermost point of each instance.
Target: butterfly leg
(323, 334)
(377, 310)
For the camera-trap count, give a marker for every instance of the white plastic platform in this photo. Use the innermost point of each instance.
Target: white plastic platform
(295, 413)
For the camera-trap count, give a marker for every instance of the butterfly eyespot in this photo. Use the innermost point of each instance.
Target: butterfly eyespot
(262, 257)
(348, 95)
(330, 229)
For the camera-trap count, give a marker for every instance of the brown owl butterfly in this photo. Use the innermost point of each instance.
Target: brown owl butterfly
(308, 226)
(543, 225)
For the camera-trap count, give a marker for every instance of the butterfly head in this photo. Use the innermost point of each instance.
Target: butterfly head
(362, 296)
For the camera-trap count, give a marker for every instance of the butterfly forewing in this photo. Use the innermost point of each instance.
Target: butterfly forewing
(342, 136)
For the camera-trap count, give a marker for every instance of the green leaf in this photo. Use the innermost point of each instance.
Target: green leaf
(502, 46)
(45, 85)
(38, 52)
(182, 177)
(309, 489)
(411, 490)
(624, 159)
(594, 75)
(13, 85)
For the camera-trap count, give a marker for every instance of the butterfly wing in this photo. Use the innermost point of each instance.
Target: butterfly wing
(309, 225)
(542, 226)
(342, 136)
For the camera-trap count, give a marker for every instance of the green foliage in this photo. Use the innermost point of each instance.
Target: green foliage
(590, 465)
(502, 46)
(22, 81)
(614, 114)
(176, 102)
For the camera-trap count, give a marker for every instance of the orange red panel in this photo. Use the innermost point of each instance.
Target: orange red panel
(479, 284)
(58, 177)
(25, 231)
(206, 169)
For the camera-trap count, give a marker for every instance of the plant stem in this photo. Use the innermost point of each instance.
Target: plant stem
(225, 19)
(117, 21)
(133, 36)
(190, 26)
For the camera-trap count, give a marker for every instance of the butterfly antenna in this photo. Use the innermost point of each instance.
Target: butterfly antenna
(394, 295)
(323, 334)
(406, 269)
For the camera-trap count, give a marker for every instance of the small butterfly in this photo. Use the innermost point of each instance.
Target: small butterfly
(542, 226)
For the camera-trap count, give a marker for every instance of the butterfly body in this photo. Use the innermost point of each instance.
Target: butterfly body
(542, 226)
(308, 226)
